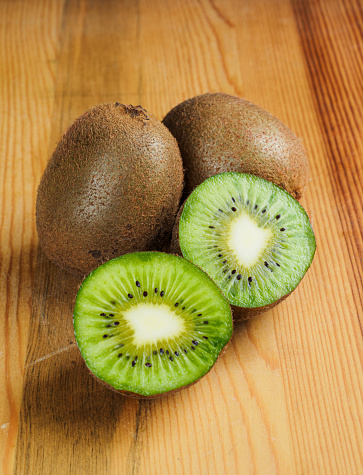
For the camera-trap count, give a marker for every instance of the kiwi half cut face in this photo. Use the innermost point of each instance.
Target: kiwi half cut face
(250, 236)
(147, 323)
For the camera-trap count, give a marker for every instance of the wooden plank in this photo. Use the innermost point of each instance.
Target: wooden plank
(62, 405)
(27, 59)
(336, 351)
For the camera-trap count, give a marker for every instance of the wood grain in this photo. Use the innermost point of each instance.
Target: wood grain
(286, 396)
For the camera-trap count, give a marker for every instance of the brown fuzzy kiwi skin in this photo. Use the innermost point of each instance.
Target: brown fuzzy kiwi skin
(217, 132)
(239, 314)
(174, 244)
(112, 186)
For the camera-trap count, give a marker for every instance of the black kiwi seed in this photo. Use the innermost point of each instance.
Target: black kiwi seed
(250, 279)
(167, 352)
(256, 207)
(278, 265)
(176, 353)
(234, 271)
(138, 284)
(220, 255)
(205, 322)
(233, 200)
(105, 336)
(144, 293)
(127, 357)
(112, 314)
(156, 290)
(116, 323)
(263, 211)
(233, 209)
(282, 229)
(162, 293)
(102, 314)
(148, 365)
(205, 337)
(224, 262)
(192, 347)
(199, 314)
(221, 210)
(155, 352)
(161, 351)
(195, 342)
(133, 363)
(185, 351)
(176, 304)
(113, 302)
(171, 358)
(278, 216)
(266, 264)
(130, 296)
(183, 308)
(119, 355)
(212, 227)
(108, 326)
(239, 277)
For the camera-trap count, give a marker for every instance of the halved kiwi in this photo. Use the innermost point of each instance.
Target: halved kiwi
(148, 323)
(250, 236)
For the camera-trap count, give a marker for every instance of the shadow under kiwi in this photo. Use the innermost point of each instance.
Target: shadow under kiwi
(66, 417)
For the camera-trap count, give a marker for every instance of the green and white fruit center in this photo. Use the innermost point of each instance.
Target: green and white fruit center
(247, 240)
(152, 323)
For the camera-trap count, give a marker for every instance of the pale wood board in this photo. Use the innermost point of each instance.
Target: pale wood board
(286, 397)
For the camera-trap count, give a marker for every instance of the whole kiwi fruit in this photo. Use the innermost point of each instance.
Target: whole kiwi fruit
(217, 132)
(112, 187)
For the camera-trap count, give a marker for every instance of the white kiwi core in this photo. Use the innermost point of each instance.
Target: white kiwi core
(247, 240)
(151, 323)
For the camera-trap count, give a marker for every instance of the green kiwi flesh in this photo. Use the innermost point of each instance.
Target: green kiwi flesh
(217, 133)
(149, 323)
(250, 236)
(112, 186)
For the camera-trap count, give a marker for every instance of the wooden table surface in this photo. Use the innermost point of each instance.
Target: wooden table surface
(286, 397)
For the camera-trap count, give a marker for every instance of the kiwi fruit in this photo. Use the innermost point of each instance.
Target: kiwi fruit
(250, 236)
(149, 323)
(112, 187)
(217, 133)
